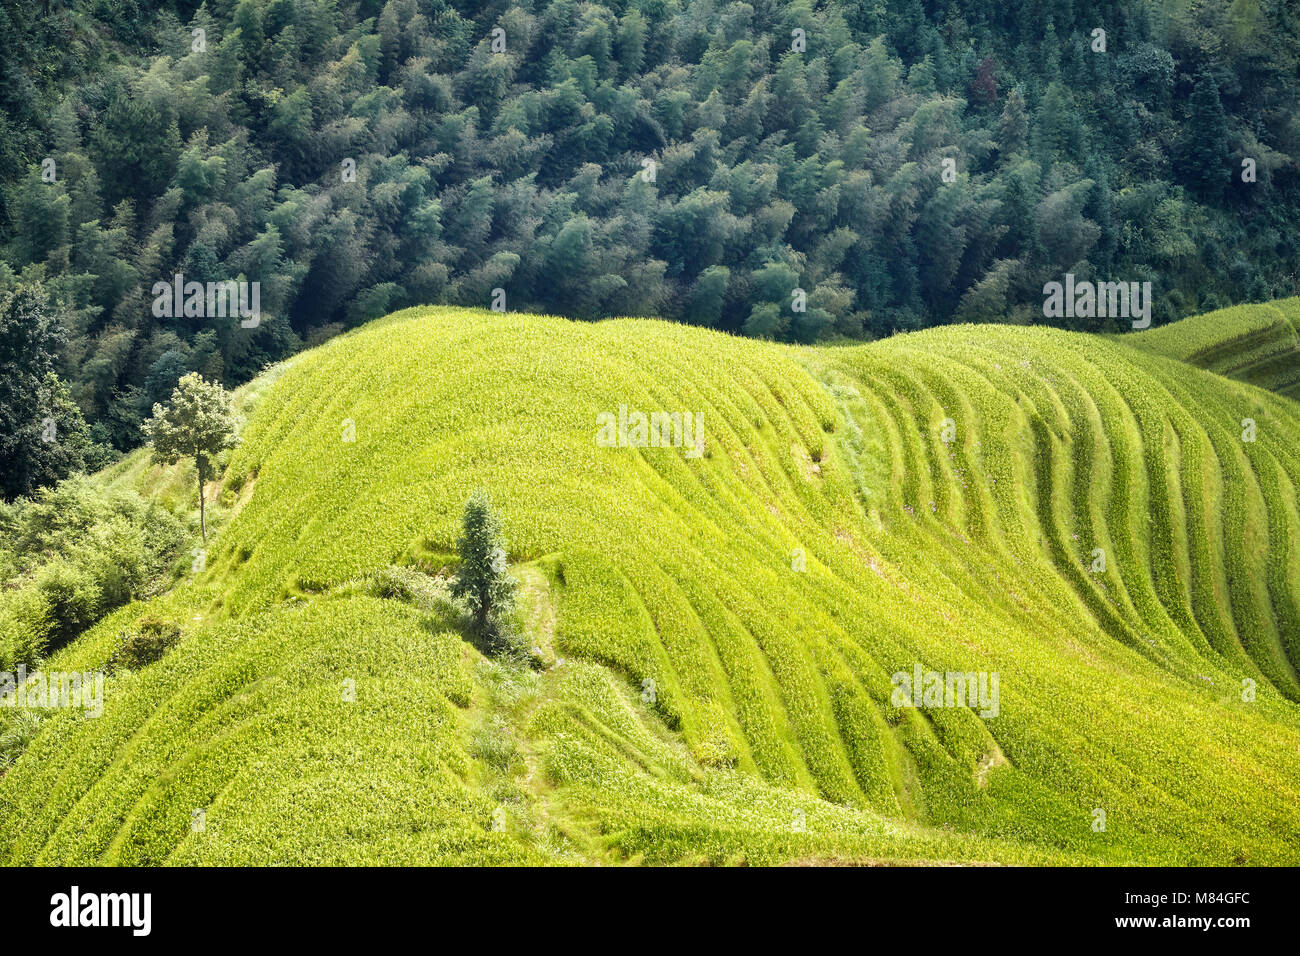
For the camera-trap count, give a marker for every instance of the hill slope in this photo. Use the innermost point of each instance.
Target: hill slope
(721, 629)
(1259, 344)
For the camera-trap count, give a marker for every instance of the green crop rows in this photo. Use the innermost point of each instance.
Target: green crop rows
(768, 732)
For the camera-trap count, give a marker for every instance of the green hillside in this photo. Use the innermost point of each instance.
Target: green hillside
(719, 631)
(1259, 344)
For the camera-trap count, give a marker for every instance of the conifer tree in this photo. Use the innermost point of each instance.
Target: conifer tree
(1206, 141)
(483, 581)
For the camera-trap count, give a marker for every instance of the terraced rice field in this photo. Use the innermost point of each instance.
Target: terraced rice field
(1259, 344)
(721, 630)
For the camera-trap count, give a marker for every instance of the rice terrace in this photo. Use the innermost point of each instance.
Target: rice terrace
(827, 539)
(856, 440)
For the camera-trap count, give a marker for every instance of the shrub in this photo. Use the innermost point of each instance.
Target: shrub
(72, 597)
(73, 553)
(24, 628)
(148, 642)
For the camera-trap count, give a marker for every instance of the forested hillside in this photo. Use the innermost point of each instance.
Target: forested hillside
(699, 160)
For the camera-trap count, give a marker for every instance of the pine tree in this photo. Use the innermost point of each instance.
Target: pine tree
(1013, 126)
(483, 581)
(1205, 152)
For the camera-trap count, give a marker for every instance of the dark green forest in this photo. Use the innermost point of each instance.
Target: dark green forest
(693, 159)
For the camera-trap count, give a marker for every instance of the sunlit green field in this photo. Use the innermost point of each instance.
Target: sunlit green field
(720, 631)
(1259, 344)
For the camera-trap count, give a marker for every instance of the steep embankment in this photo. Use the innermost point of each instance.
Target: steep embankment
(1080, 517)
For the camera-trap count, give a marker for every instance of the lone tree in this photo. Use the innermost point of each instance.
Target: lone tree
(200, 422)
(483, 581)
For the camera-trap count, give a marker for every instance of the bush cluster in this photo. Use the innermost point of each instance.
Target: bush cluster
(70, 555)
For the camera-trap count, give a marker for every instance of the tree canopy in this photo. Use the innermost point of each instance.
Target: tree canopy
(904, 164)
(199, 422)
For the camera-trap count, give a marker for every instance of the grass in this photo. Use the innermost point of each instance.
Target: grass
(704, 700)
(1259, 344)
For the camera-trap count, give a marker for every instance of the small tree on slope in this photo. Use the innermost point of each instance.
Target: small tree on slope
(200, 422)
(483, 581)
